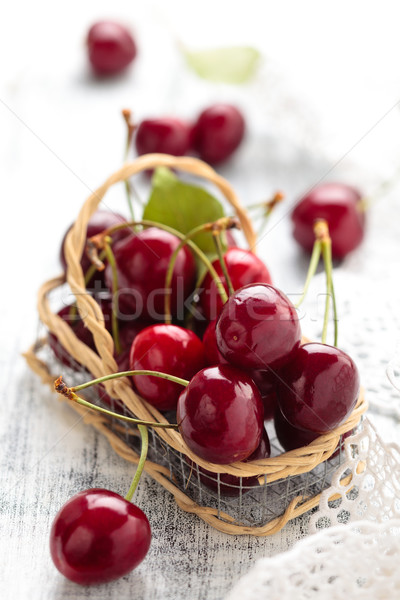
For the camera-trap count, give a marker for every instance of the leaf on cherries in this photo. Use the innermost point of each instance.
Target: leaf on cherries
(234, 64)
(182, 206)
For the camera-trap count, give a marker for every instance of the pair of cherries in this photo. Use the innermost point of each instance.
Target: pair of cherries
(214, 136)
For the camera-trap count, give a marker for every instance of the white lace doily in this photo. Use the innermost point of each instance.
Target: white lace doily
(358, 560)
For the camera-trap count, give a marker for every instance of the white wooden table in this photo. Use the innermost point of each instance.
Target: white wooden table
(323, 105)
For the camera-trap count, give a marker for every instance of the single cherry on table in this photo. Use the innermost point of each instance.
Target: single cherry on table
(218, 132)
(341, 206)
(98, 536)
(167, 135)
(111, 47)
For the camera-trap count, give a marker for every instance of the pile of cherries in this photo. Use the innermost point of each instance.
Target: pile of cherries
(227, 369)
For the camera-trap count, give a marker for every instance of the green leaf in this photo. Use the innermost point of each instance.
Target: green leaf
(235, 64)
(182, 206)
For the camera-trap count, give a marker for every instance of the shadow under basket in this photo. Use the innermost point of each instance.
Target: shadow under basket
(288, 484)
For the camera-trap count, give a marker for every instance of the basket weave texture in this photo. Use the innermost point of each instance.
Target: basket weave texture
(295, 462)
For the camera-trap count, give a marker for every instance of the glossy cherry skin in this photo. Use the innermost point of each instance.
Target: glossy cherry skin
(212, 354)
(98, 536)
(319, 389)
(166, 135)
(142, 261)
(258, 328)
(266, 383)
(220, 415)
(243, 266)
(167, 349)
(341, 206)
(218, 132)
(98, 222)
(230, 485)
(111, 47)
(290, 437)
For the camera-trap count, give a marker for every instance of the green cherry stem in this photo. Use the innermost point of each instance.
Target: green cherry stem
(144, 434)
(220, 253)
(127, 115)
(326, 245)
(114, 319)
(315, 256)
(70, 393)
(97, 242)
(225, 222)
(105, 378)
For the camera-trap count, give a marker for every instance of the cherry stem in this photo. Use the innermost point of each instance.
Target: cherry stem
(218, 247)
(222, 224)
(315, 256)
(330, 292)
(97, 241)
(127, 115)
(267, 207)
(70, 393)
(114, 318)
(144, 434)
(166, 376)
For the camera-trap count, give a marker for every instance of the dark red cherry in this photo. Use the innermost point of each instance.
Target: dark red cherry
(166, 135)
(167, 349)
(98, 536)
(212, 354)
(258, 328)
(220, 415)
(341, 206)
(243, 266)
(218, 132)
(98, 222)
(319, 389)
(142, 261)
(70, 315)
(230, 485)
(291, 438)
(111, 47)
(266, 383)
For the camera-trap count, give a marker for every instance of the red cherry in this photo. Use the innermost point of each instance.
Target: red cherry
(142, 261)
(290, 437)
(218, 132)
(220, 415)
(319, 389)
(98, 222)
(230, 485)
(244, 267)
(258, 328)
(341, 206)
(98, 536)
(212, 354)
(266, 383)
(167, 349)
(72, 318)
(111, 47)
(166, 135)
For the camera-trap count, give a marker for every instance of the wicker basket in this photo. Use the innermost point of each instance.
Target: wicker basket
(290, 483)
